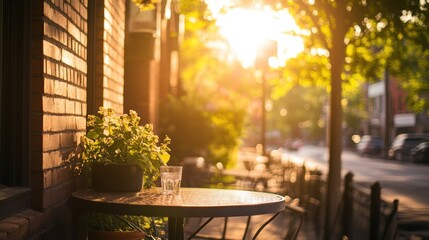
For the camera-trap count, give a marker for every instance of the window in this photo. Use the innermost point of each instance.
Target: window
(15, 70)
(14, 105)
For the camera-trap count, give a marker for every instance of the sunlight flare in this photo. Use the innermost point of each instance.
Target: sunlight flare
(246, 30)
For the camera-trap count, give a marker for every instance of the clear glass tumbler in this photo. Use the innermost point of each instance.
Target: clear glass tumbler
(171, 177)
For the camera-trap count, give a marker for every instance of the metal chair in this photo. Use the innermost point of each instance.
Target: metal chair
(294, 213)
(196, 234)
(295, 216)
(390, 219)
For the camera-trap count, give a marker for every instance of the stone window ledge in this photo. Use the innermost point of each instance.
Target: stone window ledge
(13, 200)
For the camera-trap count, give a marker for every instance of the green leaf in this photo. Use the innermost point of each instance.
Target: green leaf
(165, 157)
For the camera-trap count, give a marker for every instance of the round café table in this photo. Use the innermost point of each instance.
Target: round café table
(190, 202)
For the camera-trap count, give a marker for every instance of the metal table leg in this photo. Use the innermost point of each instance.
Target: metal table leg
(175, 228)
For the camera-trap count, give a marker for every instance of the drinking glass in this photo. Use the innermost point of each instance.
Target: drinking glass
(171, 177)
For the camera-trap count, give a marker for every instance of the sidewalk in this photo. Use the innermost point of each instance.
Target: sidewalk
(277, 229)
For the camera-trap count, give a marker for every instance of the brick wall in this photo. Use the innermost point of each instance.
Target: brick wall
(58, 97)
(58, 108)
(110, 57)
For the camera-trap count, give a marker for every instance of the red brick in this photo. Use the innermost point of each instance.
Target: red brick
(67, 140)
(59, 105)
(61, 175)
(48, 178)
(21, 222)
(78, 108)
(61, 88)
(49, 83)
(84, 109)
(81, 65)
(33, 218)
(70, 107)
(81, 94)
(57, 123)
(52, 159)
(81, 122)
(83, 11)
(13, 231)
(71, 122)
(48, 104)
(54, 15)
(52, 51)
(8, 227)
(51, 141)
(67, 57)
(74, 31)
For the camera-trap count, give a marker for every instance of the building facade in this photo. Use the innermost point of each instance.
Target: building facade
(388, 114)
(60, 61)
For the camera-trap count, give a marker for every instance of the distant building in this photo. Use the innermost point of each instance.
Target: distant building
(399, 118)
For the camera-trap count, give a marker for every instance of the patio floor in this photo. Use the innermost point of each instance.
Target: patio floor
(236, 225)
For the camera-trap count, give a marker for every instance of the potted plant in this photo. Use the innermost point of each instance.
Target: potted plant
(118, 144)
(116, 153)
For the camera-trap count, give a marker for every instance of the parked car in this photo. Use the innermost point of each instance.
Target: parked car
(420, 153)
(369, 145)
(402, 144)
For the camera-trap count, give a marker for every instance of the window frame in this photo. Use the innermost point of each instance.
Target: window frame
(15, 76)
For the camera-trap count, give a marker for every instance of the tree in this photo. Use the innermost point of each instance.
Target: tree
(333, 25)
(410, 64)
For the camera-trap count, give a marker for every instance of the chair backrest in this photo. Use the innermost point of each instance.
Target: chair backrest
(295, 216)
(296, 220)
(390, 219)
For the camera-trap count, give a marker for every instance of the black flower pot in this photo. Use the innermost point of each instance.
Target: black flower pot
(117, 177)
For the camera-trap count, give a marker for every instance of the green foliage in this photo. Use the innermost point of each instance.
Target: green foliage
(188, 125)
(228, 124)
(114, 138)
(144, 5)
(410, 65)
(305, 116)
(198, 130)
(127, 223)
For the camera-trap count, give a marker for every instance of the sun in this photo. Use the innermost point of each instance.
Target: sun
(246, 30)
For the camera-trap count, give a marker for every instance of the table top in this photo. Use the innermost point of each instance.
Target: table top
(190, 202)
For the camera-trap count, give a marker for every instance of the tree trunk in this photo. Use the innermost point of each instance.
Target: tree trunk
(337, 54)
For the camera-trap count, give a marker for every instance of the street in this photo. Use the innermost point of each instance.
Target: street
(407, 182)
